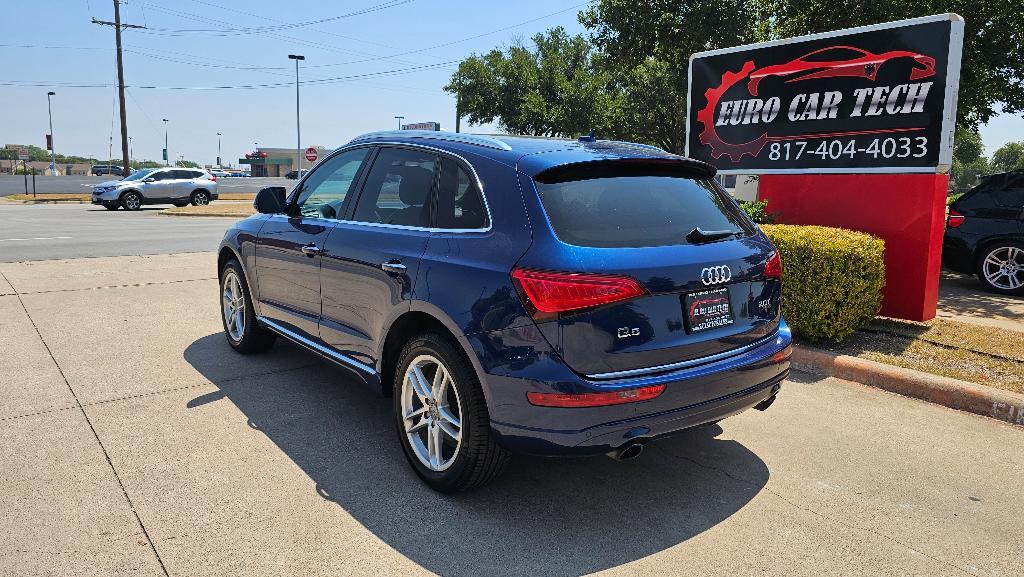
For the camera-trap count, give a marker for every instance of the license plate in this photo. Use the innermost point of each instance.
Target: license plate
(708, 309)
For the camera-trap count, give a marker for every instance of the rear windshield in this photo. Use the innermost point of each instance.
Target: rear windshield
(611, 207)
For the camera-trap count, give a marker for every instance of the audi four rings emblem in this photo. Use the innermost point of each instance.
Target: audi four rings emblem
(715, 275)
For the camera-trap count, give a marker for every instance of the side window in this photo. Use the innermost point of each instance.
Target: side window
(181, 174)
(459, 203)
(324, 192)
(196, 174)
(397, 189)
(1012, 195)
(162, 175)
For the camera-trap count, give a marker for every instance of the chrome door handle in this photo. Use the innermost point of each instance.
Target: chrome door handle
(393, 266)
(310, 250)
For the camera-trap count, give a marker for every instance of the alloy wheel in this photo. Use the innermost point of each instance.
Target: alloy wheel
(233, 305)
(1004, 268)
(200, 199)
(431, 413)
(132, 201)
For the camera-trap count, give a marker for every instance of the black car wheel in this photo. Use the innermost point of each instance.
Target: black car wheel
(200, 198)
(1001, 267)
(131, 201)
(441, 416)
(238, 315)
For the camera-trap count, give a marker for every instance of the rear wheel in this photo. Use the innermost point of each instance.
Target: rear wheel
(1001, 267)
(441, 416)
(131, 201)
(200, 198)
(238, 315)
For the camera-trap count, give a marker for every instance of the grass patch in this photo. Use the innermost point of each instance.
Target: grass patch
(979, 354)
(87, 197)
(236, 209)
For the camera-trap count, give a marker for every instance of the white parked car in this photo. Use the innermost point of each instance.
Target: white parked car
(177, 186)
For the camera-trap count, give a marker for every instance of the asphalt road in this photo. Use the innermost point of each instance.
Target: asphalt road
(54, 231)
(83, 184)
(135, 441)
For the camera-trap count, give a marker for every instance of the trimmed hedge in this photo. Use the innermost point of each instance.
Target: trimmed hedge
(832, 278)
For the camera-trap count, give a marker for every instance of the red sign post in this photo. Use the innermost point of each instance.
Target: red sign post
(311, 154)
(851, 128)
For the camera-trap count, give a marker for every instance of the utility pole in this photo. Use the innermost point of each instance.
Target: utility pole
(120, 79)
(219, 164)
(53, 147)
(131, 152)
(167, 153)
(298, 127)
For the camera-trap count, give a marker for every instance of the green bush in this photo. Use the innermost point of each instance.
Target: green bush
(757, 211)
(832, 279)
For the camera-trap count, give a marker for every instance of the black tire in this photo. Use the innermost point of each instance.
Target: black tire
(479, 458)
(111, 205)
(200, 198)
(131, 200)
(253, 338)
(1011, 273)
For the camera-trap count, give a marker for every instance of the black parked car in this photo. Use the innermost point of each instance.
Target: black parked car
(985, 233)
(294, 174)
(101, 169)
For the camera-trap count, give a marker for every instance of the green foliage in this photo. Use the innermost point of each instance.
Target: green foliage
(953, 198)
(186, 164)
(967, 145)
(832, 279)
(965, 176)
(1010, 156)
(757, 211)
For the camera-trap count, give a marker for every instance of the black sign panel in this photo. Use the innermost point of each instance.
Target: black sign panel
(873, 99)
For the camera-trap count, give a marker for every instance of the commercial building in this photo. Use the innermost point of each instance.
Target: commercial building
(279, 161)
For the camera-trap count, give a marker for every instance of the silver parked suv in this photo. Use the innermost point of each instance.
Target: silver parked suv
(177, 186)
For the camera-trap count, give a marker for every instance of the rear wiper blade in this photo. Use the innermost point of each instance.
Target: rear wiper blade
(698, 236)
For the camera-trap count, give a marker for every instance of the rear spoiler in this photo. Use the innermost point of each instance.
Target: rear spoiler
(678, 166)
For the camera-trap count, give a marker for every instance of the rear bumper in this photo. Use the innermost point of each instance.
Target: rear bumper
(692, 396)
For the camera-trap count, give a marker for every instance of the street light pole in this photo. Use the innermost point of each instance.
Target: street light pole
(399, 119)
(219, 164)
(167, 153)
(131, 153)
(53, 147)
(298, 126)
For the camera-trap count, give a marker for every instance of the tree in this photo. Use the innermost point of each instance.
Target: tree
(1010, 156)
(992, 72)
(551, 89)
(186, 164)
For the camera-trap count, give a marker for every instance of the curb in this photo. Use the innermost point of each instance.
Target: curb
(205, 214)
(953, 393)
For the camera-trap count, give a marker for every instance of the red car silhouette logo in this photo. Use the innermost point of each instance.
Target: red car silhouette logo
(849, 61)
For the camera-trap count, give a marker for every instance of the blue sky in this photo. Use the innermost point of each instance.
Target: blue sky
(420, 33)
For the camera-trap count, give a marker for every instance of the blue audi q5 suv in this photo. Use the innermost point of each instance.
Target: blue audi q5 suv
(515, 294)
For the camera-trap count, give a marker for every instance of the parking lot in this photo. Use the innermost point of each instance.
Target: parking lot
(135, 441)
(83, 184)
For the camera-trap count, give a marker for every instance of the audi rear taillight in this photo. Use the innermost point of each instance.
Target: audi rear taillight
(550, 292)
(773, 268)
(955, 219)
(594, 399)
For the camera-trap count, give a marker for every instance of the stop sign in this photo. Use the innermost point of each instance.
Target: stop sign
(311, 154)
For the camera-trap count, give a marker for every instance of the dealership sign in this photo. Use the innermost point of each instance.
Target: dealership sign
(878, 98)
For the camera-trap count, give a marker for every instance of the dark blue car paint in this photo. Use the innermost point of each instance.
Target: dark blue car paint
(461, 279)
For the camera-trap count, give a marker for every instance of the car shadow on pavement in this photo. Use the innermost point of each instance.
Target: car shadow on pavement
(544, 516)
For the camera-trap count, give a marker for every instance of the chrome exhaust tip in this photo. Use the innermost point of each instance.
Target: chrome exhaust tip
(628, 452)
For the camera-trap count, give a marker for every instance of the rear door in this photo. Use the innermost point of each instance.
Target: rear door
(290, 246)
(705, 295)
(373, 256)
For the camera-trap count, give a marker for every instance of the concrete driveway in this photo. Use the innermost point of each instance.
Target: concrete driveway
(134, 441)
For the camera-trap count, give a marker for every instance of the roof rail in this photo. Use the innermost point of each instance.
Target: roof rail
(459, 137)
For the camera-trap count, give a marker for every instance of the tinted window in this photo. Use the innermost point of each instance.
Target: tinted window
(397, 189)
(323, 194)
(629, 206)
(459, 204)
(1011, 195)
(162, 175)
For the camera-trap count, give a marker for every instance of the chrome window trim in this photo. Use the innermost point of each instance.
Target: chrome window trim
(460, 137)
(476, 178)
(685, 364)
(315, 347)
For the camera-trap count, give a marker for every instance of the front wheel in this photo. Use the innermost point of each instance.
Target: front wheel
(441, 417)
(131, 201)
(1001, 268)
(111, 206)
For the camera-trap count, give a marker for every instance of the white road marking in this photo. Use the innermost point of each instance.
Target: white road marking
(36, 238)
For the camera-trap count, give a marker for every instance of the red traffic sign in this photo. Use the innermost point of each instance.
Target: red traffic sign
(311, 154)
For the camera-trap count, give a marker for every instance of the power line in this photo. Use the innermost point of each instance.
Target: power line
(277, 28)
(313, 82)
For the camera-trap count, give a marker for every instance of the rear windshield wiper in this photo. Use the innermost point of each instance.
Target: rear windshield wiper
(698, 236)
